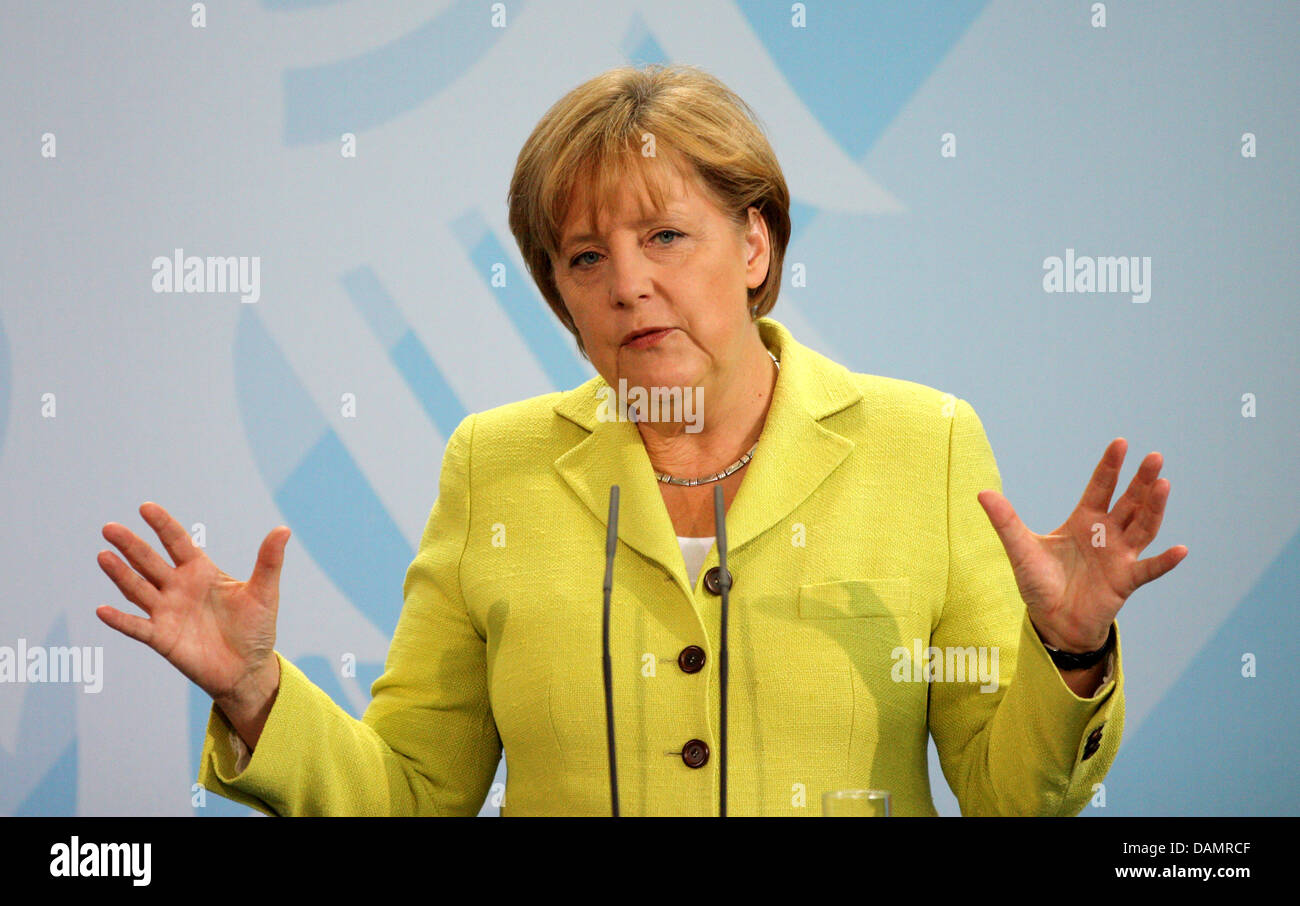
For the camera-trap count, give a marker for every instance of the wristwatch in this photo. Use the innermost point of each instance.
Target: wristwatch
(1068, 660)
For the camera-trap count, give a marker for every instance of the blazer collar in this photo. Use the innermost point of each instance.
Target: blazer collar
(795, 455)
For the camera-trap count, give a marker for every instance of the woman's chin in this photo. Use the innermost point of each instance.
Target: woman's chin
(664, 374)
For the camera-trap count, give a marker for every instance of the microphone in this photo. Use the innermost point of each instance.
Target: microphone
(611, 542)
(724, 583)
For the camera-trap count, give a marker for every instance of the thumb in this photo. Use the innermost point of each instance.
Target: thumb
(265, 580)
(1014, 534)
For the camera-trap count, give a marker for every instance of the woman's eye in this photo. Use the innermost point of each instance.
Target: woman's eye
(581, 261)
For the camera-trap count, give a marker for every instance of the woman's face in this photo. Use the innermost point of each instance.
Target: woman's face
(686, 270)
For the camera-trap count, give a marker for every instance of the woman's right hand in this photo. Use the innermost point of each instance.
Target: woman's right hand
(216, 630)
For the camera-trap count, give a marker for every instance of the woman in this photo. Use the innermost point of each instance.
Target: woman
(882, 589)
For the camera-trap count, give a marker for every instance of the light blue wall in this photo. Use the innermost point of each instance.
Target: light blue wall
(376, 282)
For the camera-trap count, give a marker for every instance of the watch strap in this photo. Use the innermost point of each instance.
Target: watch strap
(1069, 660)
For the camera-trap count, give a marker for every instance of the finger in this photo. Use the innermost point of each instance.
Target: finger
(1127, 505)
(171, 533)
(134, 588)
(265, 580)
(1014, 534)
(137, 628)
(1144, 525)
(140, 555)
(1153, 568)
(1096, 496)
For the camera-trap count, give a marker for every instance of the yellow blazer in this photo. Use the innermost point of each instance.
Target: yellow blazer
(857, 545)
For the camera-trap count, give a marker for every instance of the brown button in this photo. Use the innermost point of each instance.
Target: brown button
(1093, 744)
(695, 753)
(713, 580)
(691, 660)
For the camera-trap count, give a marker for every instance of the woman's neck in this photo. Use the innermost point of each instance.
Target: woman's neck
(734, 412)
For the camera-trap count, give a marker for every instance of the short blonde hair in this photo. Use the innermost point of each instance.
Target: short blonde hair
(597, 131)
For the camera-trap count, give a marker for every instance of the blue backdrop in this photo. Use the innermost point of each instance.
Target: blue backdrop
(939, 155)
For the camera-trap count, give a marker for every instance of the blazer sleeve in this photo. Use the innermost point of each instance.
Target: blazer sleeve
(1030, 746)
(427, 743)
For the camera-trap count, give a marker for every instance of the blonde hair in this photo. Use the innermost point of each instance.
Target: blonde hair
(597, 131)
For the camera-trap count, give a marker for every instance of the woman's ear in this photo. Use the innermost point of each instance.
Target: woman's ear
(758, 249)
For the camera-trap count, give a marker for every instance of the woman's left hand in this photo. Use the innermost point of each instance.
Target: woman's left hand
(1075, 580)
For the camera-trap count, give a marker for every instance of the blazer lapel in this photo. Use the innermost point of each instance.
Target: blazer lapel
(795, 451)
(795, 455)
(613, 454)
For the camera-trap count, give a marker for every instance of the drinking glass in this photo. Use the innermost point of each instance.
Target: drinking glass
(855, 804)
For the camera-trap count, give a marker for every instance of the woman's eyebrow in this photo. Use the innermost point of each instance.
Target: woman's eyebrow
(637, 224)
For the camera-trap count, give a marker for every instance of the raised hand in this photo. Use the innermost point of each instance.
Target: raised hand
(1072, 583)
(216, 630)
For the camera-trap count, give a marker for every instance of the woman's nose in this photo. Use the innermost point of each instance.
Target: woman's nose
(630, 276)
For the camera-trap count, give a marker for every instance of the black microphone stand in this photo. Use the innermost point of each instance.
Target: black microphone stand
(724, 583)
(611, 542)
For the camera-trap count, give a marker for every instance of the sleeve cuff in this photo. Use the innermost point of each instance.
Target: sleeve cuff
(1062, 718)
(1105, 680)
(1040, 657)
(227, 766)
(242, 753)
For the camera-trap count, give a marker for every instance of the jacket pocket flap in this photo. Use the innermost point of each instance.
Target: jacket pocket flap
(891, 597)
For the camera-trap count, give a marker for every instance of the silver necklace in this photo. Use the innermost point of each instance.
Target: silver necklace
(717, 476)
